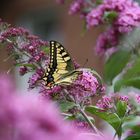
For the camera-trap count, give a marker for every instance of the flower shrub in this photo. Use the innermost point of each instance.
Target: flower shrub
(118, 103)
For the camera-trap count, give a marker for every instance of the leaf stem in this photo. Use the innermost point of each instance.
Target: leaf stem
(114, 135)
(88, 120)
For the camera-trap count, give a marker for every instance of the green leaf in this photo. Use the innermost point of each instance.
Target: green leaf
(130, 78)
(46, 49)
(110, 16)
(112, 118)
(66, 105)
(133, 137)
(136, 129)
(70, 117)
(134, 71)
(130, 118)
(98, 2)
(136, 133)
(26, 65)
(115, 65)
(132, 82)
(121, 108)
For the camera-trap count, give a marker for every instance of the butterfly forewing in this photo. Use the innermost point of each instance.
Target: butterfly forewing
(60, 64)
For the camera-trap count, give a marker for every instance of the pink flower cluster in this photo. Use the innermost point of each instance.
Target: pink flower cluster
(34, 79)
(27, 117)
(76, 6)
(84, 87)
(127, 17)
(105, 102)
(138, 98)
(31, 45)
(106, 42)
(121, 16)
(128, 14)
(81, 125)
(28, 51)
(124, 98)
(87, 81)
(108, 102)
(135, 96)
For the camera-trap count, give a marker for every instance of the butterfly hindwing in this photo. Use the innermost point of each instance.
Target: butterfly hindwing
(60, 64)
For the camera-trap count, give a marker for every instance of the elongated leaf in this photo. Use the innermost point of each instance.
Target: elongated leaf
(70, 118)
(121, 108)
(115, 65)
(134, 71)
(133, 137)
(112, 118)
(132, 82)
(136, 132)
(66, 105)
(130, 78)
(26, 65)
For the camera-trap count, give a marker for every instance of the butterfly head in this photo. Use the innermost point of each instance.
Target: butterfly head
(48, 81)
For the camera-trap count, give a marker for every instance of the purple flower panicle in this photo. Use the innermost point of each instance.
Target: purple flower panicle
(108, 102)
(124, 98)
(128, 14)
(105, 102)
(94, 17)
(105, 42)
(120, 16)
(27, 50)
(138, 98)
(84, 87)
(35, 79)
(76, 6)
(23, 70)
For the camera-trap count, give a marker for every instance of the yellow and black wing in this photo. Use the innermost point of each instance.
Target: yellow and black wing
(60, 64)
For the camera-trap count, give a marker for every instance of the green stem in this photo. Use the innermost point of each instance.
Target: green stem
(66, 114)
(89, 121)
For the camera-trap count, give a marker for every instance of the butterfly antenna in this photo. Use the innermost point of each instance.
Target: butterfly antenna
(85, 63)
(9, 70)
(9, 57)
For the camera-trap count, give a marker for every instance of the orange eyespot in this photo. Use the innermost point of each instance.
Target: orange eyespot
(50, 85)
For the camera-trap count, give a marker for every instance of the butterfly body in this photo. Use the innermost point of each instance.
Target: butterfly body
(60, 64)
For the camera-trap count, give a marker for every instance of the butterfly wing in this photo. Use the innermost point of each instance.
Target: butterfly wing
(60, 64)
